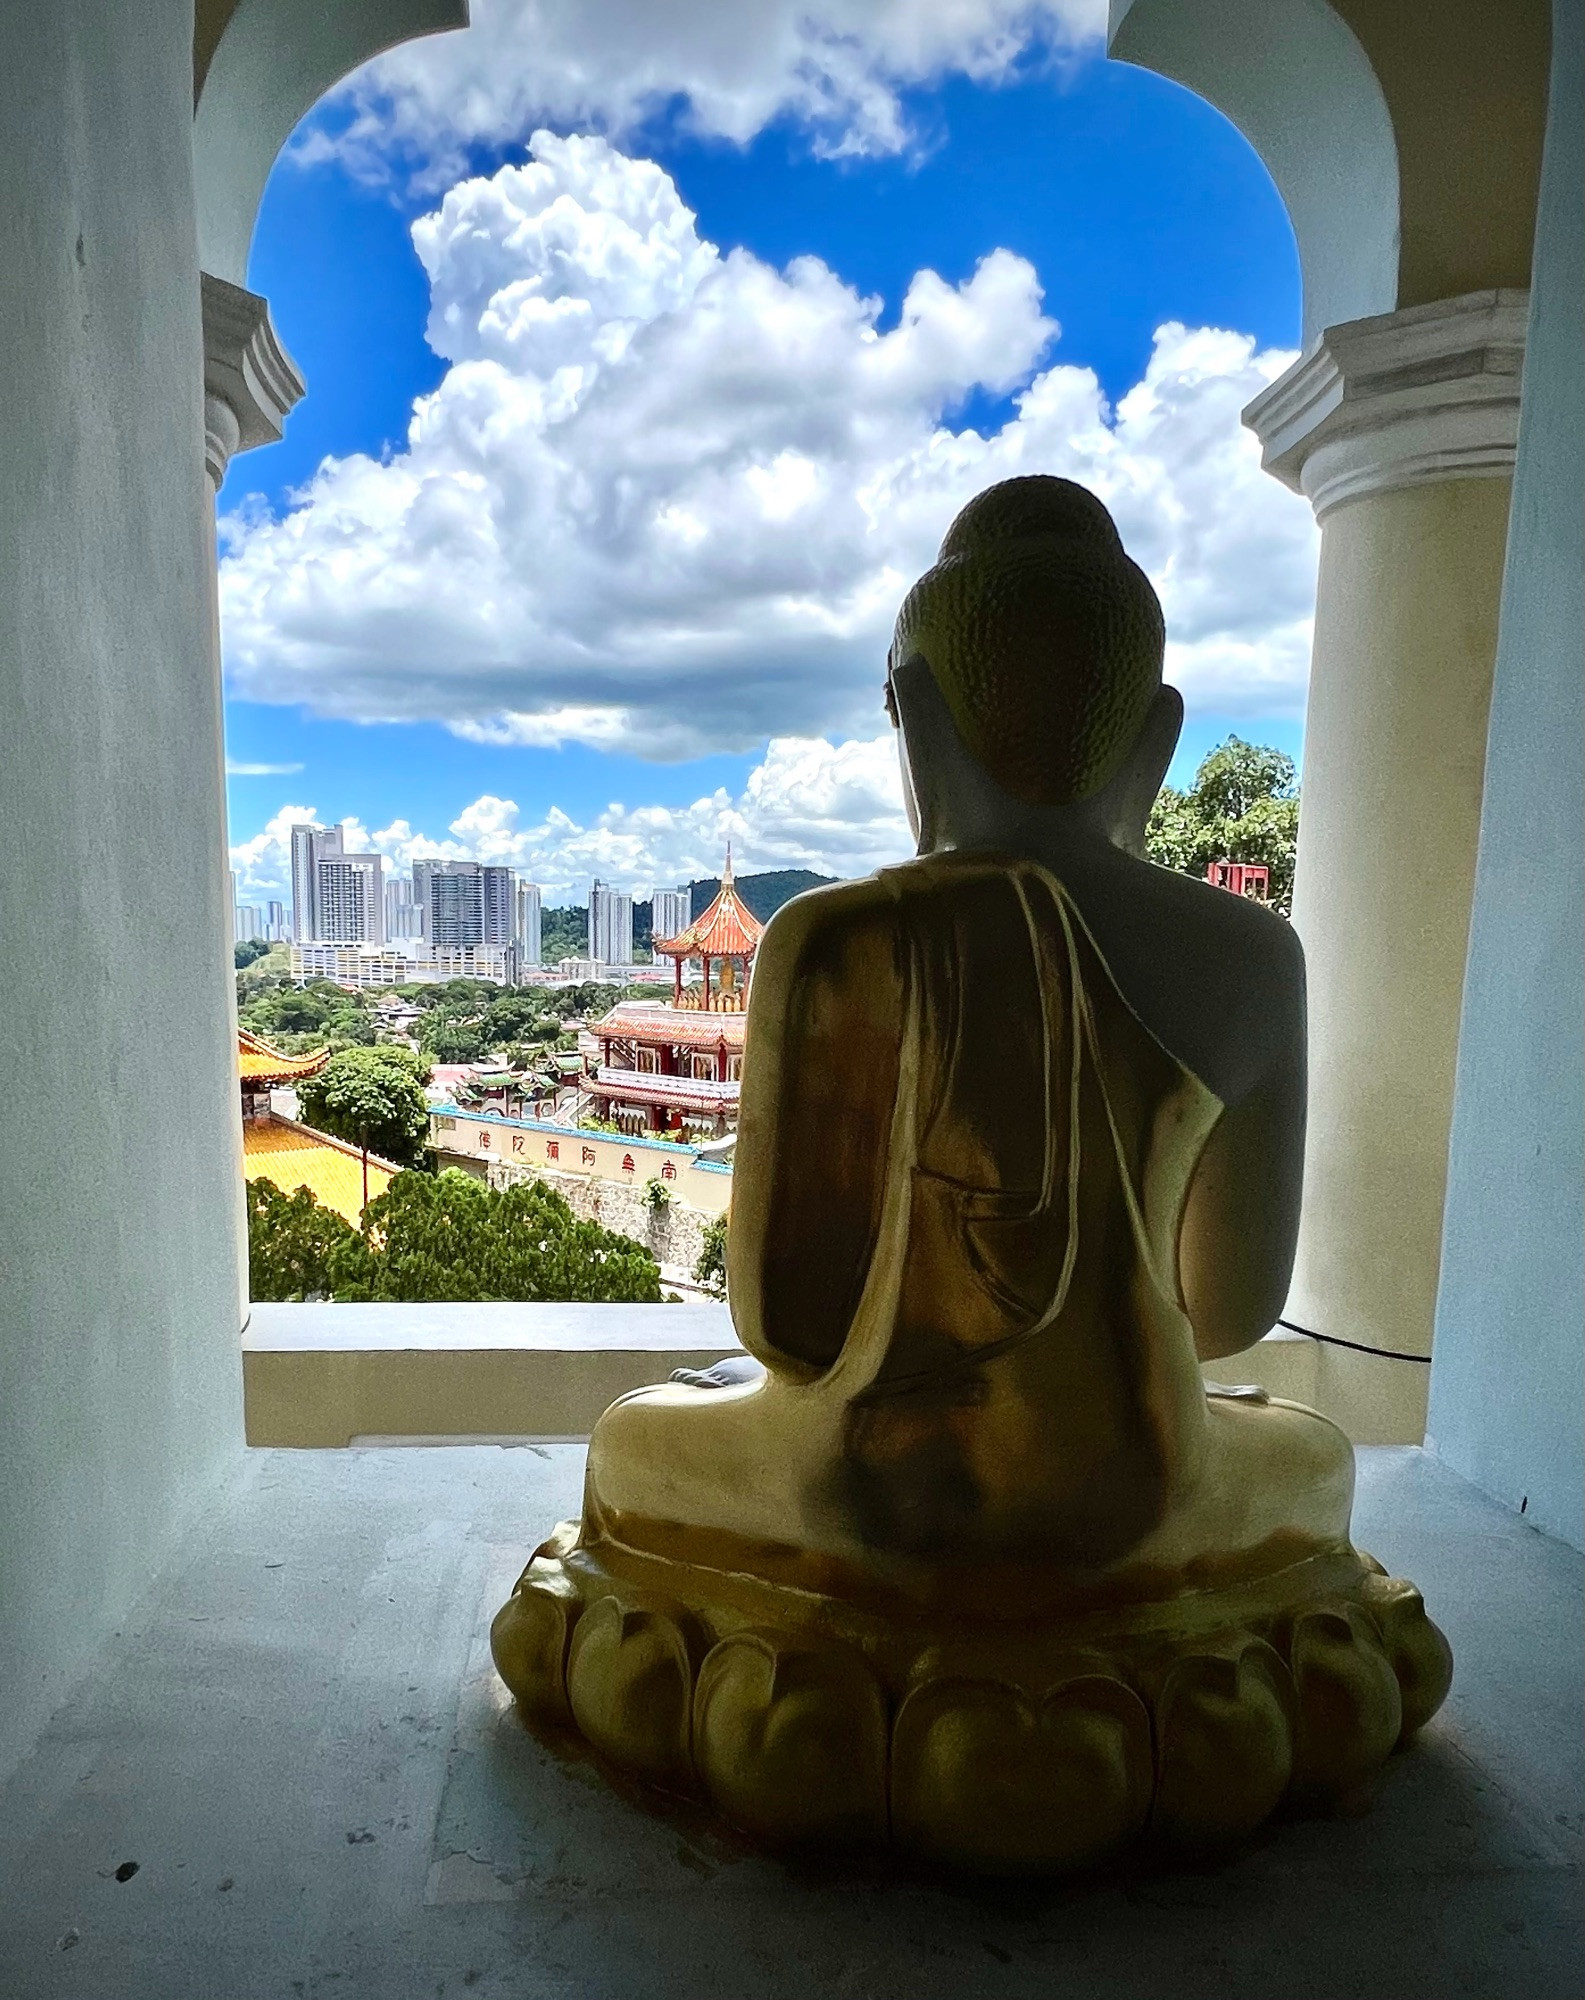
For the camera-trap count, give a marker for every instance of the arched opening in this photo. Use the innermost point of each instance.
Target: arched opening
(1191, 174)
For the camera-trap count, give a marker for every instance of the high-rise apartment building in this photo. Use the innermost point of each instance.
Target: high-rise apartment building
(309, 844)
(671, 912)
(454, 903)
(421, 874)
(337, 898)
(610, 925)
(404, 916)
(526, 923)
(496, 903)
(349, 899)
(275, 925)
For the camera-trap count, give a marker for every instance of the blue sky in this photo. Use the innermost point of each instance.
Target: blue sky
(1134, 203)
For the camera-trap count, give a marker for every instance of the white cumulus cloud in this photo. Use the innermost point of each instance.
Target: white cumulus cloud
(836, 67)
(667, 498)
(835, 808)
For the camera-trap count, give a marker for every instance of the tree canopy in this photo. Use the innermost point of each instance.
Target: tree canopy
(443, 1236)
(321, 1011)
(291, 1243)
(371, 1097)
(1242, 806)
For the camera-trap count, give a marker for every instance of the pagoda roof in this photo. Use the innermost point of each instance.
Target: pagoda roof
(728, 929)
(259, 1063)
(295, 1156)
(673, 1027)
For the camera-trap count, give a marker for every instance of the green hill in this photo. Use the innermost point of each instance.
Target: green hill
(764, 894)
(565, 931)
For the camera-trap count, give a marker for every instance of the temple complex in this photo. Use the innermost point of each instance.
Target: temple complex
(677, 1068)
(294, 1155)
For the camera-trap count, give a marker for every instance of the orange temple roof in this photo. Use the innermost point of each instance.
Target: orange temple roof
(259, 1063)
(673, 1027)
(728, 929)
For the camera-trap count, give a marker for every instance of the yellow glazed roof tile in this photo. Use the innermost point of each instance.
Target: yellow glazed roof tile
(293, 1156)
(259, 1063)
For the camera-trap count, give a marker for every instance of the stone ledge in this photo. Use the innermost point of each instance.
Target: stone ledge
(322, 1375)
(326, 1375)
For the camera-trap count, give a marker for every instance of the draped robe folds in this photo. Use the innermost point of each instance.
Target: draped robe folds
(961, 1169)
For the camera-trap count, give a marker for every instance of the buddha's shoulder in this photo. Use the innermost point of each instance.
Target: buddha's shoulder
(1226, 925)
(891, 895)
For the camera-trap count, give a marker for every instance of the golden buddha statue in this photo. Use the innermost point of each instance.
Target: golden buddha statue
(963, 1555)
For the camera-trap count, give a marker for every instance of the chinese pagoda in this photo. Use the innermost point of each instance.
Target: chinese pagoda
(677, 1068)
(727, 936)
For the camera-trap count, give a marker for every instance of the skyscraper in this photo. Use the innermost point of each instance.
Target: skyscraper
(526, 923)
(275, 926)
(309, 844)
(610, 925)
(422, 870)
(496, 904)
(454, 902)
(403, 917)
(349, 902)
(671, 912)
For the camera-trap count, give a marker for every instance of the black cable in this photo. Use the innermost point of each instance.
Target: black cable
(1355, 1346)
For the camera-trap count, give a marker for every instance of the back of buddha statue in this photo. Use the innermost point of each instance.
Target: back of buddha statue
(1017, 1371)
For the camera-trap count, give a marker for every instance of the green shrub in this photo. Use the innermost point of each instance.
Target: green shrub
(710, 1270)
(292, 1241)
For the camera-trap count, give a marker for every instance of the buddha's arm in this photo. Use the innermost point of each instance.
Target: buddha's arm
(819, 1088)
(1241, 1221)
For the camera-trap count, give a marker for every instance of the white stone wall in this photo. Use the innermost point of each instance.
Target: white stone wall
(673, 1233)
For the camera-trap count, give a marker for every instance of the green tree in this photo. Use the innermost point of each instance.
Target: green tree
(291, 1241)
(515, 1017)
(1242, 806)
(321, 1009)
(246, 950)
(710, 1268)
(373, 1098)
(450, 1040)
(448, 1236)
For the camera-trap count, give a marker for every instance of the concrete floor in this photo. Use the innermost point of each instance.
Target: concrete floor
(300, 1745)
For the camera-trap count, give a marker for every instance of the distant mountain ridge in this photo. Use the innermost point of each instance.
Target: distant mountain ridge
(764, 894)
(566, 929)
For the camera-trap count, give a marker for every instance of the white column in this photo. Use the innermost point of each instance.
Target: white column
(250, 385)
(1401, 430)
(250, 381)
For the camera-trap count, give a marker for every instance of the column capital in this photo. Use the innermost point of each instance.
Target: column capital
(1400, 399)
(250, 381)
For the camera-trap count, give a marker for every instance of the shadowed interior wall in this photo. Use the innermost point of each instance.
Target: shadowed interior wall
(1507, 1385)
(120, 1375)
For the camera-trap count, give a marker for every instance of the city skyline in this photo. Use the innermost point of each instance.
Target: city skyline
(341, 898)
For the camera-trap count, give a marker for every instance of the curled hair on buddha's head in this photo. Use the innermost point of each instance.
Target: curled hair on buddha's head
(1044, 638)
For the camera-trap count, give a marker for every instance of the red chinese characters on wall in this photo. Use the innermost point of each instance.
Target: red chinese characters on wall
(668, 1171)
(588, 1156)
(627, 1163)
(484, 1142)
(517, 1142)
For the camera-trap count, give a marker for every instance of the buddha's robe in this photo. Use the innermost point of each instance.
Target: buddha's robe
(961, 1167)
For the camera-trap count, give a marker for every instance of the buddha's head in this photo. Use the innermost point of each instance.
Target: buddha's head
(1044, 640)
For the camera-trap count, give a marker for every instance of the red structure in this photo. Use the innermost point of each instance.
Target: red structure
(1243, 878)
(727, 935)
(677, 1069)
